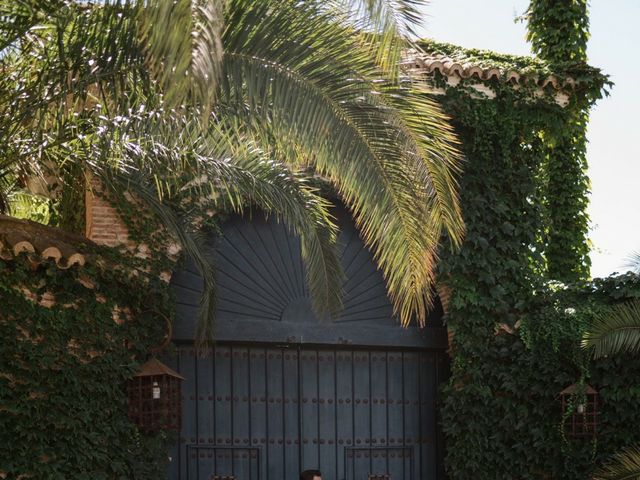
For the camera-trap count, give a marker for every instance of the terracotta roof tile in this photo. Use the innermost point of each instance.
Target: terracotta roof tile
(40, 243)
(427, 63)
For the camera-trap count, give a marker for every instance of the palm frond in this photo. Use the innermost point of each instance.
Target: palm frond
(65, 63)
(625, 465)
(184, 48)
(126, 162)
(7, 185)
(116, 53)
(276, 190)
(390, 25)
(293, 71)
(633, 262)
(79, 56)
(301, 75)
(225, 171)
(17, 17)
(241, 176)
(29, 206)
(190, 240)
(616, 331)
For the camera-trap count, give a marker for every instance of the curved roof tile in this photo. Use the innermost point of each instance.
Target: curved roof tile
(449, 67)
(40, 243)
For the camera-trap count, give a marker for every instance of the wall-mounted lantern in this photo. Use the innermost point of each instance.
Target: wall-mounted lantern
(580, 410)
(155, 398)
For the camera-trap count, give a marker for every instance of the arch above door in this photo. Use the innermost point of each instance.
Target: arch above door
(262, 293)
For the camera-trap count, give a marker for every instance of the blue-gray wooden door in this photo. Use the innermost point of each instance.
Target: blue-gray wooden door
(268, 412)
(285, 391)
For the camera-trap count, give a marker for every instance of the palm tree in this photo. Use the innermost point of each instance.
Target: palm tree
(611, 333)
(249, 95)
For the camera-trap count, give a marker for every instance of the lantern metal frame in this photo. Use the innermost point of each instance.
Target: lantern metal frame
(155, 397)
(580, 420)
(154, 394)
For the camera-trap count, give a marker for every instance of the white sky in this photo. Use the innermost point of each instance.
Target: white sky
(614, 136)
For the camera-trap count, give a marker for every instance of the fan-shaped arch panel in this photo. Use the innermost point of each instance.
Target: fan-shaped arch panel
(262, 293)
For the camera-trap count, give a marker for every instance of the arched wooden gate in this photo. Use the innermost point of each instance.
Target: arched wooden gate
(283, 391)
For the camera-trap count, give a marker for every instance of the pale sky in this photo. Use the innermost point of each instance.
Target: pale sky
(614, 135)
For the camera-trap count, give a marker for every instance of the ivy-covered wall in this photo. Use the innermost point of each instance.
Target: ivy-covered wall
(516, 331)
(558, 31)
(502, 416)
(70, 339)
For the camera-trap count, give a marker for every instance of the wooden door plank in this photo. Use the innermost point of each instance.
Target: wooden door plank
(290, 413)
(275, 420)
(309, 408)
(204, 412)
(173, 469)
(222, 412)
(344, 409)
(395, 412)
(411, 412)
(327, 413)
(379, 427)
(240, 413)
(362, 412)
(428, 385)
(258, 413)
(189, 420)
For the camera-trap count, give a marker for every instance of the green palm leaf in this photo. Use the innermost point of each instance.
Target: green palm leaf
(616, 331)
(302, 75)
(61, 55)
(625, 465)
(189, 238)
(278, 191)
(389, 25)
(184, 48)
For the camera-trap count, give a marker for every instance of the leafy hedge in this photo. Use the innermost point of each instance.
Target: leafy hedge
(62, 369)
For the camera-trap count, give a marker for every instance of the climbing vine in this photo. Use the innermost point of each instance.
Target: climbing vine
(515, 330)
(76, 335)
(558, 32)
(502, 416)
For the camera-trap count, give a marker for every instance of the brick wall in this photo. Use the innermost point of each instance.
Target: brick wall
(103, 224)
(105, 227)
